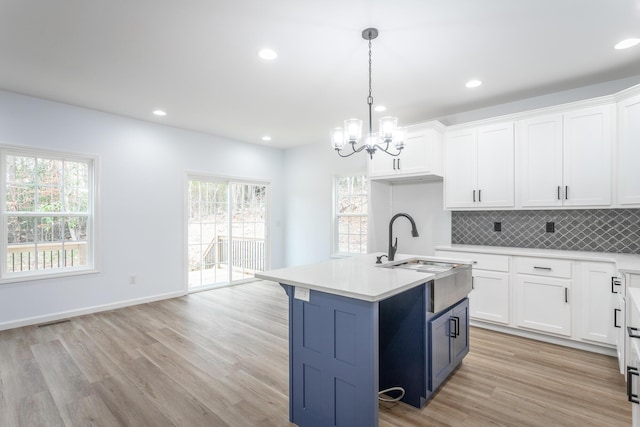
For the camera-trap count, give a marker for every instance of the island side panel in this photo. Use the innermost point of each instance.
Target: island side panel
(402, 345)
(333, 361)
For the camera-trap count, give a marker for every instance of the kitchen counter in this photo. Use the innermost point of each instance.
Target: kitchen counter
(625, 263)
(356, 277)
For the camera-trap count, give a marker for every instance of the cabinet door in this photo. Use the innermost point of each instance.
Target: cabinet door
(587, 156)
(460, 340)
(495, 166)
(460, 169)
(489, 299)
(417, 155)
(543, 304)
(629, 152)
(440, 366)
(597, 302)
(382, 165)
(539, 157)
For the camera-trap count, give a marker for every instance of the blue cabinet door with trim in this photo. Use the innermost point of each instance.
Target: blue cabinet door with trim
(333, 366)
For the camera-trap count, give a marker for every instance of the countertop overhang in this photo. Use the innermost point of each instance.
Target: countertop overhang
(356, 277)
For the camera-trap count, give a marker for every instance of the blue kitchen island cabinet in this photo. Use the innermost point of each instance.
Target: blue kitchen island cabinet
(348, 340)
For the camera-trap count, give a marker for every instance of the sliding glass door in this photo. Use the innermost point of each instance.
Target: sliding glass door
(226, 231)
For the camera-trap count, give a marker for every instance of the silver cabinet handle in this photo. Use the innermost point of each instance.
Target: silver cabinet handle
(398, 164)
(566, 192)
(559, 193)
(479, 195)
(394, 164)
(474, 195)
(542, 268)
(566, 294)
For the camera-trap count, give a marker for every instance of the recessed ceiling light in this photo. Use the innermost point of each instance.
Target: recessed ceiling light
(625, 44)
(268, 54)
(381, 108)
(159, 113)
(266, 138)
(473, 83)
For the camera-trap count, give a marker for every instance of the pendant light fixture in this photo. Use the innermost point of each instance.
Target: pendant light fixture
(389, 134)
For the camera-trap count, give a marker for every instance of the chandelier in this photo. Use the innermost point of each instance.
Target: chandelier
(389, 135)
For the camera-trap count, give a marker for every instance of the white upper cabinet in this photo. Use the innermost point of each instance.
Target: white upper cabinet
(588, 141)
(539, 152)
(565, 160)
(628, 178)
(460, 180)
(421, 156)
(479, 167)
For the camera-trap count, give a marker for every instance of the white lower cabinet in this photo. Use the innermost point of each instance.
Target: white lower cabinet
(571, 299)
(543, 304)
(598, 302)
(489, 299)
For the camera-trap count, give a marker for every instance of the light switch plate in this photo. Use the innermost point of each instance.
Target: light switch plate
(301, 293)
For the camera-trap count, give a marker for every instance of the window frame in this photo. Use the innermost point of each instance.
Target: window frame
(92, 265)
(335, 223)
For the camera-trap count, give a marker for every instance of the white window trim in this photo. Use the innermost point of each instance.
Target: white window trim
(92, 266)
(335, 244)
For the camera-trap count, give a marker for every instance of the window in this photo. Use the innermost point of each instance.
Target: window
(227, 231)
(47, 214)
(350, 222)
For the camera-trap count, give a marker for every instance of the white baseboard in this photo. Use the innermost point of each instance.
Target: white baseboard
(88, 310)
(566, 342)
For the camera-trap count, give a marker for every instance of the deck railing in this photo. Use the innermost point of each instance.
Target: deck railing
(247, 254)
(47, 256)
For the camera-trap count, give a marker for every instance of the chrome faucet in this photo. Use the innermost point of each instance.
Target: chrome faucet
(414, 232)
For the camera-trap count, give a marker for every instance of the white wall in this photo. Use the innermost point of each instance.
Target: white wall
(424, 202)
(309, 187)
(141, 211)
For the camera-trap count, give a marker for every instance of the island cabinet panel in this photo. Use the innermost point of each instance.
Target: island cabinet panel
(333, 344)
(448, 343)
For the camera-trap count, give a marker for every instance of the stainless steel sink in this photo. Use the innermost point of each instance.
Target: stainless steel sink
(450, 284)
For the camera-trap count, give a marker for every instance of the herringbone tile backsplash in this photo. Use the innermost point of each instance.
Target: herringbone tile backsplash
(594, 230)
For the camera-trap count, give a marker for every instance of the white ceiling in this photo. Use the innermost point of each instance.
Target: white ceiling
(197, 59)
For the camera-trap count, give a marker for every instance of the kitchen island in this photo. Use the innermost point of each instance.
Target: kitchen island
(357, 327)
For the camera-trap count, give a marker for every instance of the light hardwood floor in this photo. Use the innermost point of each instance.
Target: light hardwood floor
(220, 358)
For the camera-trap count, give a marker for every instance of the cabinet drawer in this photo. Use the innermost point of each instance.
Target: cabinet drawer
(544, 267)
(480, 261)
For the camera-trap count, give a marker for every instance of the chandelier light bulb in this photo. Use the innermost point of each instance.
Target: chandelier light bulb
(337, 138)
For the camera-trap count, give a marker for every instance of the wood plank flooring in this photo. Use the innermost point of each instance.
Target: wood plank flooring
(220, 358)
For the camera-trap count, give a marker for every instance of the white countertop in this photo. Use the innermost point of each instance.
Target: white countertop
(356, 277)
(625, 263)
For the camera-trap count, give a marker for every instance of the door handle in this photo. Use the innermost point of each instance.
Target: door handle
(398, 164)
(452, 329)
(632, 332)
(615, 318)
(394, 164)
(615, 282)
(474, 195)
(542, 268)
(632, 372)
(566, 192)
(479, 195)
(457, 319)
(559, 193)
(566, 294)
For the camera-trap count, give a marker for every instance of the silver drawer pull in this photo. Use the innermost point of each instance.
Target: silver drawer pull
(542, 268)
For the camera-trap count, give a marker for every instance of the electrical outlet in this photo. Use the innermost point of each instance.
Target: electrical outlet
(551, 227)
(497, 226)
(132, 279)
